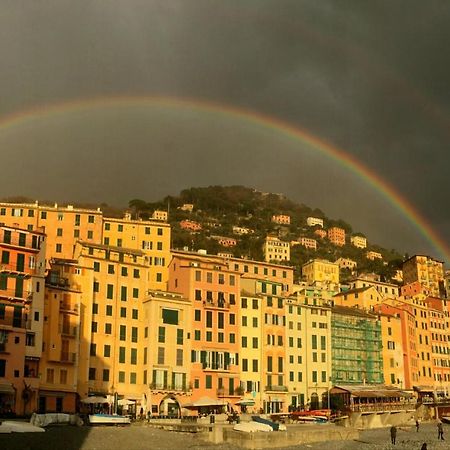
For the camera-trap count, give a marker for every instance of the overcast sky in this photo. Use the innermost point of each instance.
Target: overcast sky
(370, 77)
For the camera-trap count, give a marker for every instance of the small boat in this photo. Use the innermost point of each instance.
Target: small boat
(445, 419)
(275, 426)
(108, 419)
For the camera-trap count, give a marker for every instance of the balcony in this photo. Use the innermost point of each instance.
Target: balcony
(16, 296)
(169, 387)
(16, 241)
(3, 347)
(216, 367)
(69, 308)
(68, 330)
(276, 388)
(12, 268)
(14, 322)
(68, 357)
(216, 304)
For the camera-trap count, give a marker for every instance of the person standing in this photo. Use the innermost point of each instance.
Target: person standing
(440, 431)
(417, 425)
(424, 446)
(393, 434)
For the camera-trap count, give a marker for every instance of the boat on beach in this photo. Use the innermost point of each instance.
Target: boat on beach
(445, 419)
(108, 419)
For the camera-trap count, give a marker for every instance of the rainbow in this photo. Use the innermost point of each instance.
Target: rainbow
(268, 122)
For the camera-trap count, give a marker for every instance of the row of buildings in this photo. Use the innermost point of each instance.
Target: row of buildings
(91, 305)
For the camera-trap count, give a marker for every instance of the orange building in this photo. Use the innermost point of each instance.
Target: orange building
(64, 226)
(190, 225)
(281, 219)
(213, 290)
(22, 271)
(60, 355)
(336, 236)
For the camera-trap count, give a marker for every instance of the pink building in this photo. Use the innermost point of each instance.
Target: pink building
(213, 290)
(336, 236)
(190, 225)
(281, 219)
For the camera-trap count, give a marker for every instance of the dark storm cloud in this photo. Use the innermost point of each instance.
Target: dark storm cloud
(369, 77)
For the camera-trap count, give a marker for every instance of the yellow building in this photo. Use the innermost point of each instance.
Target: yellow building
(364, 298)
(393, 346)
(387, 290)
(60, 355)
(308, 350)
(152, 238)
(320, 270)
(427, 271)
(112, 320)
(276, 250)
(64, 226)
(359, 241)
(166, 347)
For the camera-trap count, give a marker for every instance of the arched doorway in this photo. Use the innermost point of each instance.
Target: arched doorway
(169, 407)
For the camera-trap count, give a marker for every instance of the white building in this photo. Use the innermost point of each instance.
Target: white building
(359, 241)
(313, 221)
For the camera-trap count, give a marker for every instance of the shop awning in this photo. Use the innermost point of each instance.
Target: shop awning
(95, 400)
(246, 402)
(204, 402)
(7, 388)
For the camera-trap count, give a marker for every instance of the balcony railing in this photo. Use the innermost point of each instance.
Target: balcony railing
(66, 307)
(222, 304)
(276, 388)
(68, 357)
(68, 330)
(16, 241)
(13, 295)
(170, 387)
(218, 367)
(12, 268)
(10, 321)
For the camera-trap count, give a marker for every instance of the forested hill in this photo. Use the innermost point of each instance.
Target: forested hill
(220, 209)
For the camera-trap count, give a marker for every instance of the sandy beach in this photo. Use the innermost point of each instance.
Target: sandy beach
(140, 437)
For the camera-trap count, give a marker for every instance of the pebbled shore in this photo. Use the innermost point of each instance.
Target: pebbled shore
(144, 437)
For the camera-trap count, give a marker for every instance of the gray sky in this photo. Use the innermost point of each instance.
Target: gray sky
(368, 77)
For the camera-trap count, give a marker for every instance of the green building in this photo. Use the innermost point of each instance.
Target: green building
(356, 347)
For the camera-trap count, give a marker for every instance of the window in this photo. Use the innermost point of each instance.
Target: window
(96, 266)
(161, 334)
(244, 365)
(136, 273)
(232, 319)
(323, 342)
(170, 316)
(105, 376)
(232, 338)
(94, 327)
(58, 248)
(123, 293)
(51, 375)
(59, 232)
(209, 320)
(209, 336)
(91, 219)
(133, 359)
(197, 315)
(135, 314)
(198, 294)
(160, 355)
(255, 365)
(93, 349)
(255, 342)
(314, 342)
(109, 291)
(124, 271)
(122, 355)
(106, 351)
(135, 292)
(109, 310)
(123, 333)
(92, 373)
(197, 335)
(244, 341)
(123, 312)
(179, 337)
(208, 381)
(121, 377)
(179, 361)
(314, 376)
(134, 334)
(63, 376)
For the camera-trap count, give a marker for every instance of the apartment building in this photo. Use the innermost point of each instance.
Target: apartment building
(364, 298)
(427, 271)
(387, 290)
(321, 233)
(111, 324)
(281, 219)
(372, 255)
(308, 243)
(346, 263)
(167, 352)
(214, 291)
(320, 270)
(64, 286)
(356, 346)
(22, 272)
(63, 225)
(336, 236)
(313, 221)
(276, 250)
(359, 241)
(152, 238)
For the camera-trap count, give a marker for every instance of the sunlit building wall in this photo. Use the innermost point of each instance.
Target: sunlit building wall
(320, 270)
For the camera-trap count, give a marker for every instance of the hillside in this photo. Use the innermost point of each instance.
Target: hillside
(218, 210)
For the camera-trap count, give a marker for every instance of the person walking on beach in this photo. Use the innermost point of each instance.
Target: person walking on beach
(440, 431)
(424, 446)
(417, 425)
(393, 434)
